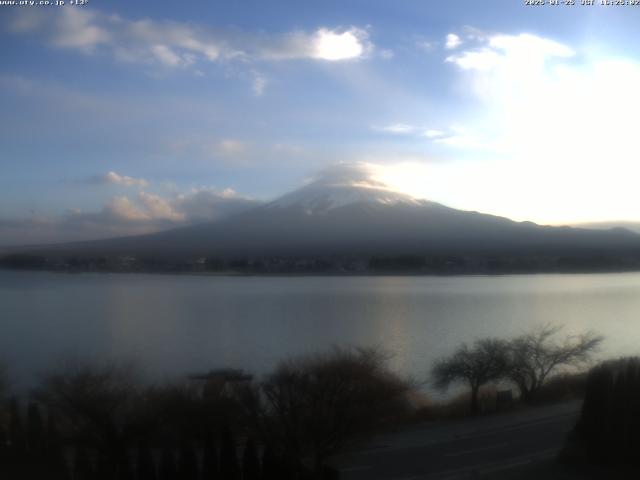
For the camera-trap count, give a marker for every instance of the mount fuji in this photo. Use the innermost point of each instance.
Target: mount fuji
(357, 217)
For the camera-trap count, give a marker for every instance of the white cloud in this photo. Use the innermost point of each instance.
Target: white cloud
(259, 84)
(331, 45)
(561, 125)
(159, 208)
(514, 54)
(206, 204)
(174, 44)
(167, 56)
(454, 136)
(123, 215)
(231, 148)
(114, 178)
(196, 205)
(28, 21)
(483, 59)
(463, 141)
(397, 128)
(323, 44)
(434, 133)
(350, 173)
(527, 44)
(518, 54)
(121, 209)
(78, 29)
(179, 43)
(452, 41)
(474, 34)
(426, 46)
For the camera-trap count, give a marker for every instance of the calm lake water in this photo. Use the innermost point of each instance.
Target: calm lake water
(172, 325)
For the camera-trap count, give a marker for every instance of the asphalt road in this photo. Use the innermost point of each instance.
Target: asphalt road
(464, 449)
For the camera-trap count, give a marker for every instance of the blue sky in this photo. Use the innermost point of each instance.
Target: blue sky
(127, 117)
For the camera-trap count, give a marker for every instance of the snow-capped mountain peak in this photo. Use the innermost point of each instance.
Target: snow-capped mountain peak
(333, 191)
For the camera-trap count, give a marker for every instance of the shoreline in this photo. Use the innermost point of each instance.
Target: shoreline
(232, 273)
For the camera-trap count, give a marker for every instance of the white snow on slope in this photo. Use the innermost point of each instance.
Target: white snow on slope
(340, 187)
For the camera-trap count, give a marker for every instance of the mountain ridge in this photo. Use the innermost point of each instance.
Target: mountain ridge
(363, 219)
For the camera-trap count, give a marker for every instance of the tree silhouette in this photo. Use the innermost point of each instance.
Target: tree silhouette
(125, 469)
(36, 440)
(315, 406)
(146, 469)
(168, 469)
(82, 466)
(535, 355)
(272, 465)
(17, 439)
(105, 469)
(4, 382)
(55, 461)
(100, 404)
(4, 453)
(483, 362)
(187, 462)
(209, 459)
(228, 456)
(250, 462)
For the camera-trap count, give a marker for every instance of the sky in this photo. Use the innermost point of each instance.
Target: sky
(125, 117)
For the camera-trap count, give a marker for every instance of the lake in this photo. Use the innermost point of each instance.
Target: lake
(177, 324)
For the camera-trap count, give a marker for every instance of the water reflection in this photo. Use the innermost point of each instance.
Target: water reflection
(178, 324)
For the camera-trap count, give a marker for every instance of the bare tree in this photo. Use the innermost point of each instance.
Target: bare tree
(535, 355)
(315, 406)
(4, 381)
(98, 405)
(476, 365)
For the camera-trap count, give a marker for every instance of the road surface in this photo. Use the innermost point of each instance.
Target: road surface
(463, 449)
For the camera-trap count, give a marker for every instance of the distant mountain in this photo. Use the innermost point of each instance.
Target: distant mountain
(363, 219)
(627, 225)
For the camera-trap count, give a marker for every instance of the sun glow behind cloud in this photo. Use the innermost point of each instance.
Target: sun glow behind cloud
(558, 129)
(329, 45)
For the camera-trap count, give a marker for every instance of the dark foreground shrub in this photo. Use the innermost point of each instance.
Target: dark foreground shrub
(608, 427)
(316, 406)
